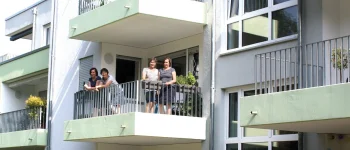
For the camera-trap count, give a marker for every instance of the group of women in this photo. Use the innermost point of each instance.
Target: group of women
(162, 97)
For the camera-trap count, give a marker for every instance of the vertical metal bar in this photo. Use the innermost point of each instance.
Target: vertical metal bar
(307, 67)
(275, 73)
(335, 61)
(324, 63)
(265, 67)
(255, 73)
(285, 69)
(348, 49)
(260, 72)
(290, 69)
(330, 62)
(280, 80)
(341, 62)
(312, 65)
(317, 63)
(270, 81)
(137, 96)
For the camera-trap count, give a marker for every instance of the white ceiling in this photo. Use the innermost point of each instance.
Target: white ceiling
(337, 126)
(142, 31)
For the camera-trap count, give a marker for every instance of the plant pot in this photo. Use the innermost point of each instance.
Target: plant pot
(151, 85)
(186, 89)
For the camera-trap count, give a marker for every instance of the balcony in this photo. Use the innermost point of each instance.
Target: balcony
(118, 115)
(306, 89)
(23, 129)
(26, 65)
(137, 23)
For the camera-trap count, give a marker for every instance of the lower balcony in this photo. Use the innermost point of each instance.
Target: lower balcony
(23, 129)
(304, 93)
(123, 114)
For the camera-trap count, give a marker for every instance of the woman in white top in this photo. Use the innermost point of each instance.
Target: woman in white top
(150, 74)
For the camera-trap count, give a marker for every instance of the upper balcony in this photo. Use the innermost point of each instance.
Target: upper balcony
(308, 89)
(137, 23)
(26, 65)
(118, 114)
(23, 129)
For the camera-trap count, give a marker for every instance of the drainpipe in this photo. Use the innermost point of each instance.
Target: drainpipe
(300, 42)
(51, 71)
(212, 91)
(35, 13)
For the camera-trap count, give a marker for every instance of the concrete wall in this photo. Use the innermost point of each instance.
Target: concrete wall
(14, 98)
(66, 74)
(24, 20)
(336, 17)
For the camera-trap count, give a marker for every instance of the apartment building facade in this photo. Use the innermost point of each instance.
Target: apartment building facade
(271, 59)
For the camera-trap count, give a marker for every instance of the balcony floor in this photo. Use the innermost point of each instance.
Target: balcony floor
(319, 110)
(137, 129)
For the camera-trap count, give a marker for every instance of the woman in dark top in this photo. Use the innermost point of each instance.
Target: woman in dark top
(94, 80)
(167, 94)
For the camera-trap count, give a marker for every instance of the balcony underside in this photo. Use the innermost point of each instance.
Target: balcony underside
(146, 23)
(137, 129)
(320, 110)
(26, 139)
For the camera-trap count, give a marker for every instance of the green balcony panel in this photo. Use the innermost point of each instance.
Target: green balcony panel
(140, 23)
(136, 129)
(320, 110)
(23, 139)
(25, 65)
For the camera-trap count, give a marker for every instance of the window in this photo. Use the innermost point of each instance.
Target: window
(254, 22)
(233, 115)
(47, 35)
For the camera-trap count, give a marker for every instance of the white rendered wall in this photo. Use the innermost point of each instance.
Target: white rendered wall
(66, 75)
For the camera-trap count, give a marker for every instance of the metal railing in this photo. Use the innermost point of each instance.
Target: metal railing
(311, 65)
(88, 5)
(25, 119)
(6, 57)
(139, 96)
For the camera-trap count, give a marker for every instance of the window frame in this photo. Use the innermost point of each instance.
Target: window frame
(240, 139)
(46, 41)
(243, 16)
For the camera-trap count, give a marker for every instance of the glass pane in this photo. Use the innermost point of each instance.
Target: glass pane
(252, 5)
(234, 8)
(285, 22)
(232, 35)
(249, 132)
(232, 147)
(233, 113)
(255, 30)
(47, 40)
(285, 145)
(279, 1)
(179, 64)
(255, 146)
(281, 132)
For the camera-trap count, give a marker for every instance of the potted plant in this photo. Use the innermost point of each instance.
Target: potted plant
(186, 83)
(34, 104)
(340, 60)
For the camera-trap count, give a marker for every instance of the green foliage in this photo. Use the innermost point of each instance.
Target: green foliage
(186, 80)
(340, 59)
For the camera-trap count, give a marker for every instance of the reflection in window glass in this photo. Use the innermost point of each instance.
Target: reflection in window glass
(234, 8)
(252, 5)
(232, 147)
(281, 132)
(249, 132)
(179, 64)
(275, 2)
(233, 113)
(232, 35)
(255, 146)
(255, 30)
(284, 22)
(285, 145)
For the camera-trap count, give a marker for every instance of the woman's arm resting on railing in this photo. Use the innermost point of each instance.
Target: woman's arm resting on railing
(105, 85)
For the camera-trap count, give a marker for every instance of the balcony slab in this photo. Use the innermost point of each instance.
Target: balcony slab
(35, 138)
(137, 129)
